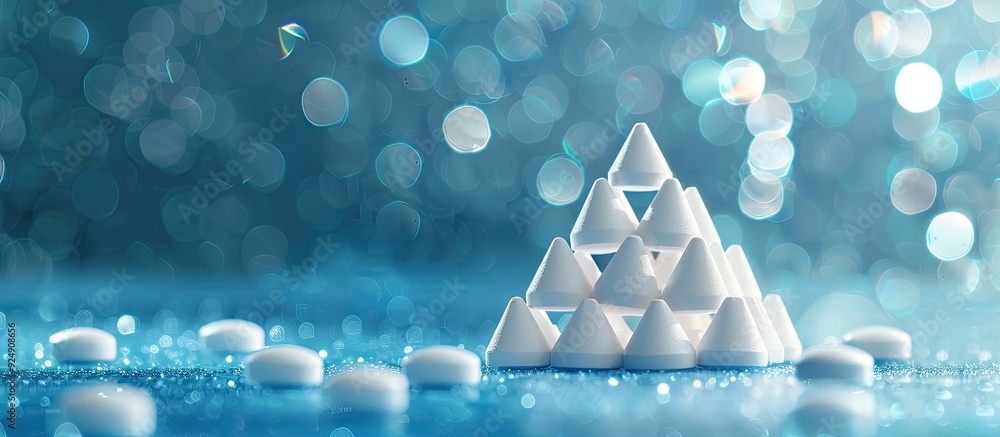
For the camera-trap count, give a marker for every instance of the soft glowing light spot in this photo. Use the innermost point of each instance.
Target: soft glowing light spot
(288, 36)
(560, 180)
(325, 102)
(769, 114)
(913, 191)
(741, 81)
(978, 74)
(771, 153)
(466, 129)
(761, 196)
(403, 40)
(528, 401)
(127, 325)
(918, 87)
(950, 236)
(69, 36)
(398, 166)
(876, 36)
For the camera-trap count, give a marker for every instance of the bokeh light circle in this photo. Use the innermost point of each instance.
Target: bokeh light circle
(950, 236)
(466, 129)
(918, 87)
(403, 40)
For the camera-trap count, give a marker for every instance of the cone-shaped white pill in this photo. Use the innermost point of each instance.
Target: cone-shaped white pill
(108, 410)
(370, 389)
(549, 329)
(640, 166)
(590, 269)
(668, 224)
(622, 330)
(705, 224)
(840, 362)
(284, 365)
(741, 267)
(696, 285)
(231, 336)
(559, 283)
(628, 283)
(885, 343)
(663, 266)
(604, 222)
(728, 276)
(443, 366)
(83, 345)
(659, 342)
(732, 340)
(518, 341)
(783, 326)
(694, 325)
(775, 350)
(588, 341)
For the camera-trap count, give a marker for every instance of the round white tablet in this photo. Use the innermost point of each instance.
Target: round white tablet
(231, 336)
(369, 390)
(443, 366)
(844, 363)
(284, 365)
(83, 345)
(884, 343)
(108, 409)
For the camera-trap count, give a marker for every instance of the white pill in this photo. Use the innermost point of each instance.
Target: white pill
(844, 363)
(659, 342)
(231, 336)
(284, 365)
(589, 341)
(604, 221)
(832, 408)
(668, 224)
(628, 283)
(369, 390)
(732, 340)
(696, 285)
(640, 166)
(82, 345)
(518, 341)
(108, 409)
(443, 366)
(559, 283)
(885, 343)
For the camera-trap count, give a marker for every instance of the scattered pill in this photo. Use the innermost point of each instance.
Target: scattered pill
(108, 410)
(559, 283)
(668, 223)
(518, 341)
(284, 365)
(231, 336)
(696, 284)
(83, 345)
(884, 343)
(840, 362)
(443, 366)
(604, 221)
(370, 389)
(732, 340)
(640, 166)
(588, 341)
(659, 342)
